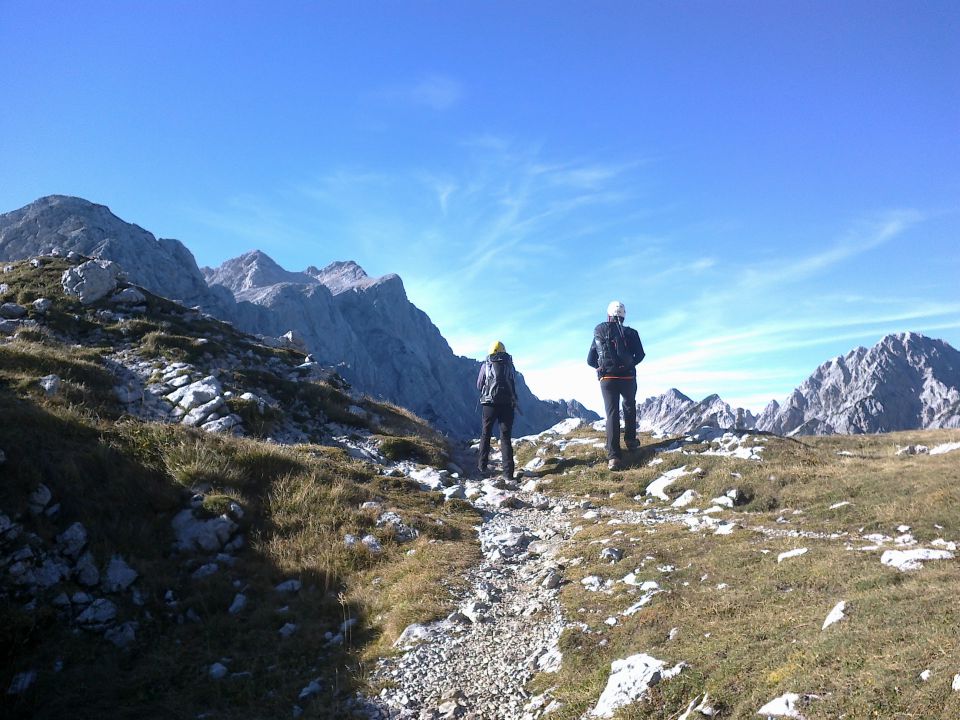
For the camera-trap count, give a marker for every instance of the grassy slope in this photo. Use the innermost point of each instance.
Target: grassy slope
(125, 479)
(761, 635)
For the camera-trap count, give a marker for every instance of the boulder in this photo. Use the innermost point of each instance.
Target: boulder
(119, 575)
(39, 499)
(42, 305)
(129, 296)
(72, 540)
(209, 535)
(12, 311)
(86, 572)
(629, 679)
(99, 613)
(50, 384)
(90, 281)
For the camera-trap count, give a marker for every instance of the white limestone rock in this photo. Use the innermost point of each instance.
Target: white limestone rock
(791, 554)
(42, 305)
(786, 706)
(414, 635)
(208, 535)
(90, 281)
(658, 487)
(835, 615)
(629, 679)
(906, 560)
(129, 296)
(51, 384)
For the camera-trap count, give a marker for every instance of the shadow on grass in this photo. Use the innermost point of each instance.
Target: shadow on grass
(112, 479)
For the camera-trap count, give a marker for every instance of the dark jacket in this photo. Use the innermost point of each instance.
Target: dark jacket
(634, 347)
(490, 393)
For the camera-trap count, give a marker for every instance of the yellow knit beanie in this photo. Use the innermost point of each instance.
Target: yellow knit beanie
(496, 347)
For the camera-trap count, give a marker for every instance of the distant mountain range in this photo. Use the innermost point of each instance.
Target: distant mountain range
(904, 382)
(364, 327)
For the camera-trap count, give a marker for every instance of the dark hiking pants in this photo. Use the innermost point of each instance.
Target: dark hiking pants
(613, 389)
(502, 414)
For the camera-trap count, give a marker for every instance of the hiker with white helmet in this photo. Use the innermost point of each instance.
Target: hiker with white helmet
(615, 352)
(498, 398)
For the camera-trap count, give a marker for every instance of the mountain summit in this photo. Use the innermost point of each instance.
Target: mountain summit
(905, 381)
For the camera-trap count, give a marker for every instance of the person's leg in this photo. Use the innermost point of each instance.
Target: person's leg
(489, 415)
(629, 392)
(611, 406)
(505, 418)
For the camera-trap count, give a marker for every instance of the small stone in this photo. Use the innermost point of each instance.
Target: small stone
(287, 630)
(238, 604)
(123, 635)
(100, 612)
(289, 586)
(313, 688)
(42, 305)
(39, 499)
(611, 554)
(50, 384)
(21, 682)
(217, 671)
(205, 570)
(72, 540)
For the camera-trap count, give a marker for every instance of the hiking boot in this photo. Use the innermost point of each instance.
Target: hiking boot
(482, 467)
(614, 464)
(507, 477)
(632, 444)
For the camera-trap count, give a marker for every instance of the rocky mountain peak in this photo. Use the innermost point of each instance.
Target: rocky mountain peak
(254, 269)
(343, 275)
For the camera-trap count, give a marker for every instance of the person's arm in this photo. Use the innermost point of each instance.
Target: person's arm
(638, 353)
(482, 374)
(593, 359)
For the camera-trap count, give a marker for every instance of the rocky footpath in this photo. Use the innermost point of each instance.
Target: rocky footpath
(476, 662)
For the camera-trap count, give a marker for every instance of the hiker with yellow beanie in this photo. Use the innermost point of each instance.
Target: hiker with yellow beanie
(498, 400)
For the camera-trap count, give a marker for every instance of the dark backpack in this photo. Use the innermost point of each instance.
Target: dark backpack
(613, 354)
(497, 384)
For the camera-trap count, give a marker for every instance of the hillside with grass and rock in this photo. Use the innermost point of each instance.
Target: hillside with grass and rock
(364, 327)
(199, 522)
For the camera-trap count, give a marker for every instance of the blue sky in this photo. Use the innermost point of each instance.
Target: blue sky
(765, 185)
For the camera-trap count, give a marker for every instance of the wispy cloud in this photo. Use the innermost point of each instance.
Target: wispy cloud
(436, 91)
(865, 236)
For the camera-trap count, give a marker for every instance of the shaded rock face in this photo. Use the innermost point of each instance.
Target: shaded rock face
(905, 381)
(365, 327)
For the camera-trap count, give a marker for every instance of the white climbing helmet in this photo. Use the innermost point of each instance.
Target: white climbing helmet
(616, 309)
